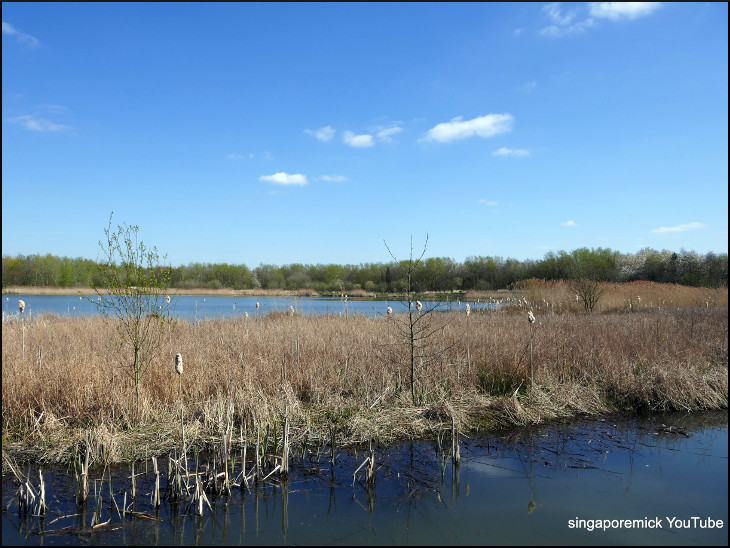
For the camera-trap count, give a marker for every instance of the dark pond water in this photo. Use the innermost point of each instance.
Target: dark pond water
(575, 483)
(202, 308)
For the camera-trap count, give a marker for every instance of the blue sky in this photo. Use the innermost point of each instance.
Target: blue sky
(282, 133)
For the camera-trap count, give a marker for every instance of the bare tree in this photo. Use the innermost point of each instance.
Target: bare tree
(418, 327)
(588, 290)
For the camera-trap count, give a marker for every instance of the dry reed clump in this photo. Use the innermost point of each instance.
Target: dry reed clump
(556, 297)
(332, 372)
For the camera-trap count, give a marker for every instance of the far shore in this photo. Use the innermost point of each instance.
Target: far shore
(228, 292)
(203, 292)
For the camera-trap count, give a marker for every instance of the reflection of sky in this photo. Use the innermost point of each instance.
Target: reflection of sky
(633, 475)
(637, 474)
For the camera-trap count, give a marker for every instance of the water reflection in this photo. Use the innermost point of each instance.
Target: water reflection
(518, 487)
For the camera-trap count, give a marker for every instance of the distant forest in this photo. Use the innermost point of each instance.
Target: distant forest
(434, 274)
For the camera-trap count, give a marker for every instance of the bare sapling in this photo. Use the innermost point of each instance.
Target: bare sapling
(417, 328)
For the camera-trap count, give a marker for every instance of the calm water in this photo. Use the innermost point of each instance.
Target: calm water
(201, 308)
(518, 487)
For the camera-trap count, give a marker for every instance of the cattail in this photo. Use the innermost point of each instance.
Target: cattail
(530, 317)
(167, 298)
(257, 305)
(178, 364)
(389, 310)
(21, 306)
(418, 306)
(291, 310)
(245, 314)
(468, 309)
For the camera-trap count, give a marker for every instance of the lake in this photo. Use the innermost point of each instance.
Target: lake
(202, 308)
(581, 482)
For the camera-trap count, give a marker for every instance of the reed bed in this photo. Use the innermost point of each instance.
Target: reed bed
(334, 374)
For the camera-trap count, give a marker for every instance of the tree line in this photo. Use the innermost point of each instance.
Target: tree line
(433, 274)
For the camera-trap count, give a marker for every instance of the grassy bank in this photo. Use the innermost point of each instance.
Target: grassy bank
(60, 377)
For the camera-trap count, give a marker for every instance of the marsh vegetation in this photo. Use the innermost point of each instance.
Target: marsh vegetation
(647, 347)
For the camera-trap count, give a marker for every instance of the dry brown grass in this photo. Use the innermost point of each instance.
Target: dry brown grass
(335, 371)
(557, 296)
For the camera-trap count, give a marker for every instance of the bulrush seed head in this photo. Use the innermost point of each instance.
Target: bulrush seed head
(178, 364)
(468, 309)
(418, 306)
(530, 317)
(389, 310)
(21, 306)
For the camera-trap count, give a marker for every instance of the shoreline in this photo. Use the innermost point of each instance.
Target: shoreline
(228, 292)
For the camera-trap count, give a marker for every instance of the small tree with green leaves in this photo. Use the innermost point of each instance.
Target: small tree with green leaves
(133, 292)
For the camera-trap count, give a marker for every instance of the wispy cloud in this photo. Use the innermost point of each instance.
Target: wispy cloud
(516, 152)
(323, 134)
(483, 126)
(563, 22)
(283, 178)
(569, 21)
(679, 228)
(568, 223)
(360, 141)
(22, 37)
(527, 87)
(333, 178)
(237, 156)
(616, 11)
(33, 123)
(488, 202)
(386, 133)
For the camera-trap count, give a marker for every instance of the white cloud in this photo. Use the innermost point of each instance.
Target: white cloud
(235, 156)
(22, 37)
(283, 178)
(679, 228)
(386, 133)
(322, 134)
(564, 23)
(483, 126)
(556, 15)
(32, 123)
(360, 141)
(568, 223)
(488, 202)
(615, 11)
(516, 152)
(334, 178)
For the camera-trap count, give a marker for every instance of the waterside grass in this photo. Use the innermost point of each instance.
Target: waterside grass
(336, 374)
